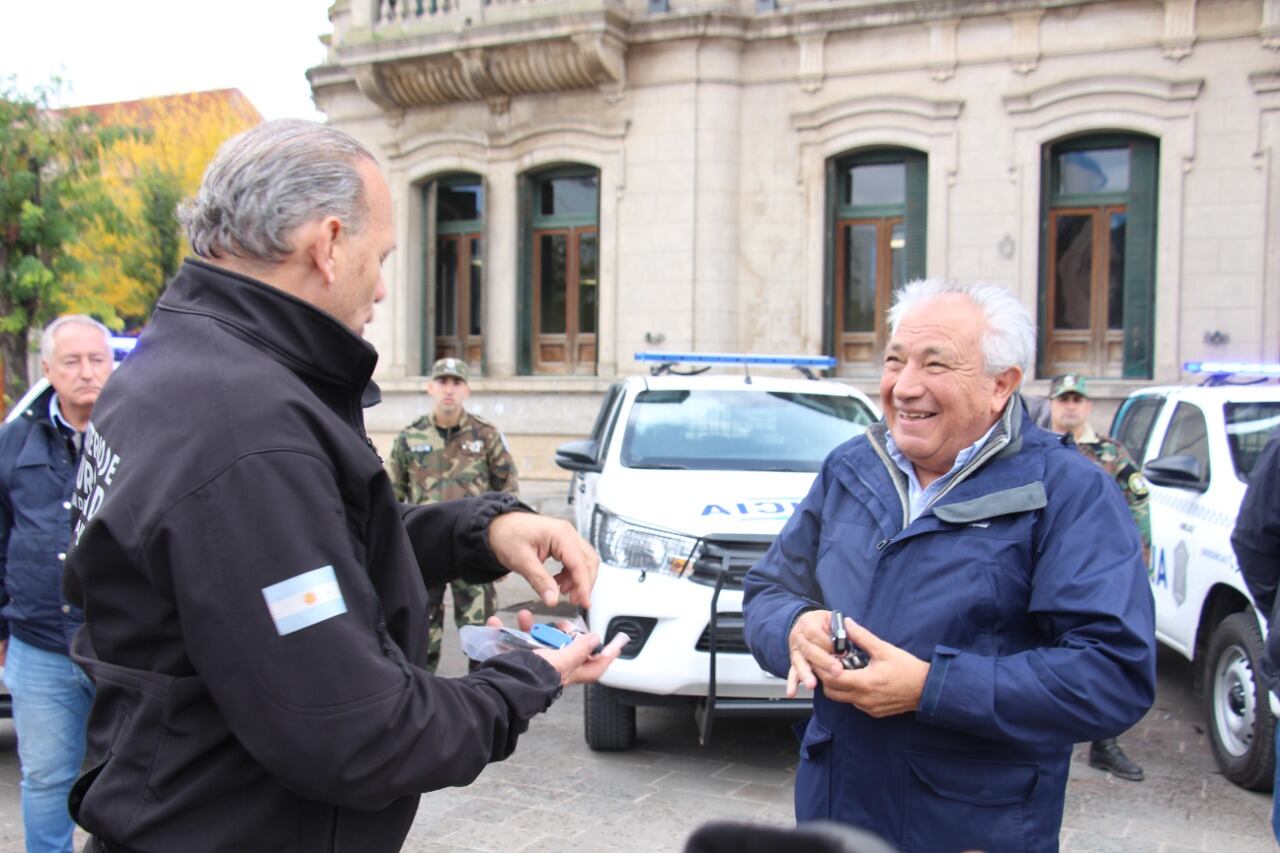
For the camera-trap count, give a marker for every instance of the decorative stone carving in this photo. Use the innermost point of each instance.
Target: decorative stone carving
(942, 49)
(580, 61)
(1179, 29)
(1024, 52)
(812, 62)
(1269, 32)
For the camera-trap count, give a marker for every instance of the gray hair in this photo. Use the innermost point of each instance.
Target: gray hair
(1009, 339)
(268, 181)
(46, 337)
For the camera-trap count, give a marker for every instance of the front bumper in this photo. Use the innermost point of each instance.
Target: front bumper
(670, 663)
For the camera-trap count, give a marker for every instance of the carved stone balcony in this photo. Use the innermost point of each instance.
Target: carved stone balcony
(410, 53)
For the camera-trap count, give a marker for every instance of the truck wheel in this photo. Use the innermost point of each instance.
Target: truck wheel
(609, 725)
(1241, 726)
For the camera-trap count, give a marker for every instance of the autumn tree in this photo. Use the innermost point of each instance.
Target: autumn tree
(146, 176)
(51, 195)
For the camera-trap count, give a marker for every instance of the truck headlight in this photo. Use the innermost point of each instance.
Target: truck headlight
(628, 545)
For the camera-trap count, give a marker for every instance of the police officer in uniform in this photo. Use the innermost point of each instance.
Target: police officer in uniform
(446, 454)
(1070, 406)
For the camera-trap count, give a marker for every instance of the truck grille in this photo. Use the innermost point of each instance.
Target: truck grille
(729, 638)
(733, 556)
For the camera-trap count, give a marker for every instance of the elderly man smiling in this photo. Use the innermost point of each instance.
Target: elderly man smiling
(994, 580)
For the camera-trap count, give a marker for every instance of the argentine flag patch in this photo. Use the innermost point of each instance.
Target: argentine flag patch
(302, 601)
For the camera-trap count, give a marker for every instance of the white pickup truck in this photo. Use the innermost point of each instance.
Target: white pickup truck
(684, 482)
(1197, 445)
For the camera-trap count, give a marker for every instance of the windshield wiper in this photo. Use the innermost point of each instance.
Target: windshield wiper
(664, 466)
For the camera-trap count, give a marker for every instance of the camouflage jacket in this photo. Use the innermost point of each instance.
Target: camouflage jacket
(1116, 461)
(427, 469)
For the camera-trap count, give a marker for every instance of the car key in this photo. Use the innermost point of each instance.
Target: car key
(850, 655)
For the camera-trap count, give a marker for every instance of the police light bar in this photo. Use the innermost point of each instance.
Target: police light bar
(1249, 368)
(737, 358)
(122, 346)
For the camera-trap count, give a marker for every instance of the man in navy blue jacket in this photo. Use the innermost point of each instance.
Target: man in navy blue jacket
(1256, 541)
(995, 582)
(51, 694)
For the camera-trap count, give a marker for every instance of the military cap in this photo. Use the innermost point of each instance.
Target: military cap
(1068, 383)
(454, 367)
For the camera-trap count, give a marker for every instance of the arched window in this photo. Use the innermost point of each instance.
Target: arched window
(877, 206)
(454, 218)
(1097, 283)
(560, 213)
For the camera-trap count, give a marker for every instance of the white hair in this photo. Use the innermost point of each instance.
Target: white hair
(1009, 338)
(269, 180)
(46, 338)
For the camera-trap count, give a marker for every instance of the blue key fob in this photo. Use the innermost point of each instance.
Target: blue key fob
(550, 636)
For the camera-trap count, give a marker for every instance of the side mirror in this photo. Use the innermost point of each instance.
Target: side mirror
(1179, 472)
(579, 456)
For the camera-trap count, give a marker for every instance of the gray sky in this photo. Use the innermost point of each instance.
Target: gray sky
(119, 51)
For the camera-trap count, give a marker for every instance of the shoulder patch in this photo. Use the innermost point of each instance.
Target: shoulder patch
(304, 600)
(1138, 484)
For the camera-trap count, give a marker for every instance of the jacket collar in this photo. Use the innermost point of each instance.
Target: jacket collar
(309, 340)
(38, 411)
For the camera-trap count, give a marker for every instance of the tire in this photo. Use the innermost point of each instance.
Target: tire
(609, 725)
(1238, 709)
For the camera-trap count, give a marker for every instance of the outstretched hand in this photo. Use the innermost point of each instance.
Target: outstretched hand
(575, 662)
(522, 541)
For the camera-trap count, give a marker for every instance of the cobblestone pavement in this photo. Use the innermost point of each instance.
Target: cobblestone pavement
(555, 793)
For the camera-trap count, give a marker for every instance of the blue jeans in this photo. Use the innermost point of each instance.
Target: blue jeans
(51, 699)
(1275, 804)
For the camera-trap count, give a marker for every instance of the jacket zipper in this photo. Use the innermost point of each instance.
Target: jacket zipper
(895, 476)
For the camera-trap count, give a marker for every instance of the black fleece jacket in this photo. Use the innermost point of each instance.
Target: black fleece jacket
(227, 467)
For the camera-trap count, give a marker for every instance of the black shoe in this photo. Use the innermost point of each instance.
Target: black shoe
(1107, 755)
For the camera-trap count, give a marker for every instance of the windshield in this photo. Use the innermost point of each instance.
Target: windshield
(735, 430)
(1249, 425)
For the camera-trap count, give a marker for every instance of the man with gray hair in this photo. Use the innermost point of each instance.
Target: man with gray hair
(254, 593)
(990, 579)
(39, 450)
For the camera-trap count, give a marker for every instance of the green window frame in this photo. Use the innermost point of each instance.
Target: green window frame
(452, 273)
(857, 336)
(1119, 337)
(558, 289)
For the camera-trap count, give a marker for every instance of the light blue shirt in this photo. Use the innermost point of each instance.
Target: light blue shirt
(918, 499)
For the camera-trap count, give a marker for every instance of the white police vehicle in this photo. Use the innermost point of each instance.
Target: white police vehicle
(685, 481)
(1197, 446)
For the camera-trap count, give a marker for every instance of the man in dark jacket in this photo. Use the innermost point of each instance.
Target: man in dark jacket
(51, 695)
(995, 583)
(253, 592)
(1256, 541)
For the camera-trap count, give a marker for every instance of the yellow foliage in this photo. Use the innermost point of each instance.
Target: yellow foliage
(179, 135)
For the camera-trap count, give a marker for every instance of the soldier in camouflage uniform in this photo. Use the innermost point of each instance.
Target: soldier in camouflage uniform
(1070, 406)
(447, 454)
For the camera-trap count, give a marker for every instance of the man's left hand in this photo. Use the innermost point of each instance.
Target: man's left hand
(890, 684)
(522, 541)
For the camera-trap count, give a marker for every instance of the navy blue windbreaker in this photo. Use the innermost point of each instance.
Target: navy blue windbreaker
(37, 474)
(1023, 585)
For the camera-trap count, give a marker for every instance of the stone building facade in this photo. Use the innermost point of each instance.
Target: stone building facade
(577, 180)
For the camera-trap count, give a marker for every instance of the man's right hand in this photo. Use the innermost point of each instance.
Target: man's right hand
(810, 644)
(522, 541)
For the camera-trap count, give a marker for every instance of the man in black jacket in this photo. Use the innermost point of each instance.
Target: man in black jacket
(39, 450)
(1256, 541)
(254, 594)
